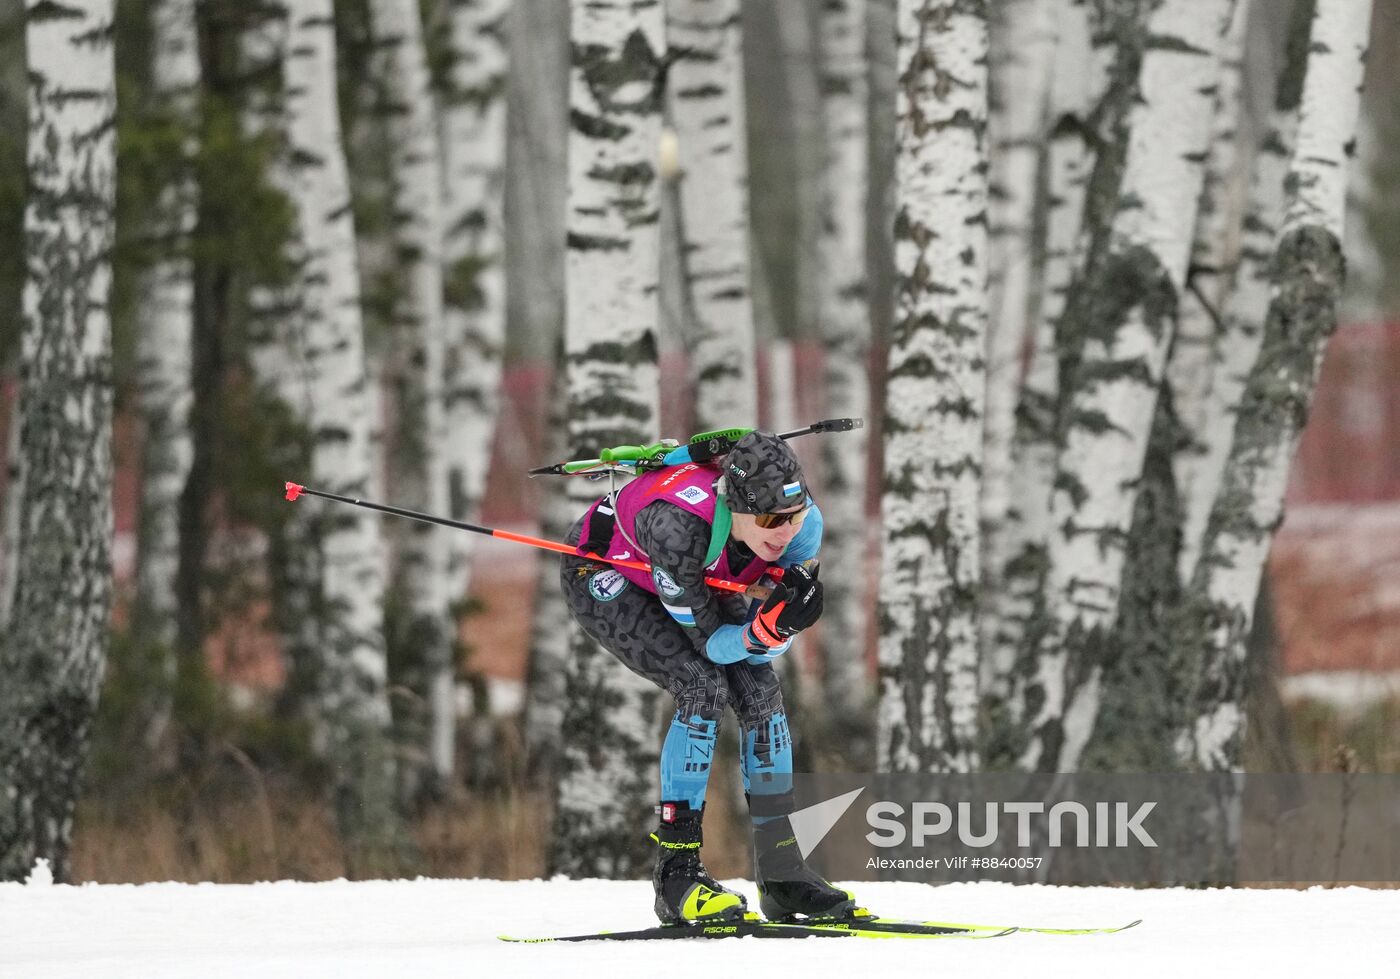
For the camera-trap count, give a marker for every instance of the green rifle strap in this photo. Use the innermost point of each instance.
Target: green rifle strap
(719, 528)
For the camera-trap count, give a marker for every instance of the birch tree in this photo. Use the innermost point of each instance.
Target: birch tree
(1242, 327)
(164, 354)
(1213, 259)
(1094, 82)
(845, 332)
(705, 89)
(57, 632)
(1020, 86)
(611, 737)
(539, 83)
(473, 124)
(424, 635)
(1109, 409)
(1307, 275)
(332, 574)
(1137, 699)
(548, 666)
(934, 398)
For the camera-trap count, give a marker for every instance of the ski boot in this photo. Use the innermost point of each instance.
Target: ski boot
(685, 892)
(788, 889)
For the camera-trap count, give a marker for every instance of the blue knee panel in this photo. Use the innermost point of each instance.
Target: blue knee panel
(766, 761)
(685, 760)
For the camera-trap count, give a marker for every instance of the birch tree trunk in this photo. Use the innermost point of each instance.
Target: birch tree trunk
(927, 717)
(548, 668)
(1105, 428)
(333, 579)
(539, 103)
(1020, 90)
(164, 359)
(1213, 260)
(845, 332)
(706, 96)
(473, 148)
(1086, 113)
(57, 633)
(1138, 690)
(424, 640)
(1242, 329)
(474, 314)
(612, 722)
(1308, 271)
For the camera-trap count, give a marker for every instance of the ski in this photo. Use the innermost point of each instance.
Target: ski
(755, 928)
(863, 920)
(1019, 928)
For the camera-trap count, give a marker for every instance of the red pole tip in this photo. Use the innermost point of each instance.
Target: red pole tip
(294, 490)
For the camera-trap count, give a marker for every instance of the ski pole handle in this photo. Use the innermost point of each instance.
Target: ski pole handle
(760, 592)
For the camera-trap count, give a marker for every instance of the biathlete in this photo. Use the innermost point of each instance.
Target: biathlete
(737, 519)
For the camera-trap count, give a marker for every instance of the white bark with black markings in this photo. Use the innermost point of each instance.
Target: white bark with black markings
(473, 137)
(1023, 49)
(846, 336)
(1242, 328)
(312, 357)
(428, 633)
(1308, 272)
(56, 635)
(1214, 256)
(927, 716)
(610, 741)
(164, 352)
(1014, 549)
(705, 89)
(1109, 411)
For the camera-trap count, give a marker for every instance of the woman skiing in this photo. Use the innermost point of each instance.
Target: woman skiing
(737, 520)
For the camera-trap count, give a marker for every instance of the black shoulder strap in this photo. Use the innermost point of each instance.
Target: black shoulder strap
(598, 533)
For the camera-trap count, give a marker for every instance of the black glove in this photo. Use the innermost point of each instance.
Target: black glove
(796, 604)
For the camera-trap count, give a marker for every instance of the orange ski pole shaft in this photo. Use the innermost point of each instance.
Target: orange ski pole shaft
(295, 490)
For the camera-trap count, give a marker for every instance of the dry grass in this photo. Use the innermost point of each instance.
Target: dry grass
(247, 830)
(233, 839)
(291, 836)
(501, 837)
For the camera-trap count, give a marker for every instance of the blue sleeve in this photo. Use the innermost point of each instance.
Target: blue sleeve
(807, 543)
(726, 645)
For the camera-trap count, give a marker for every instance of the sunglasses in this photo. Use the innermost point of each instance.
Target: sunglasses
(770, 520)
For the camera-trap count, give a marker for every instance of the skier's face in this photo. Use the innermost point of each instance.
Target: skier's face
(768, 542)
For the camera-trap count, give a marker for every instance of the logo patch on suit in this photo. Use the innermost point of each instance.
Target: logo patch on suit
(665, 584)
(693, 495)
(607, 585)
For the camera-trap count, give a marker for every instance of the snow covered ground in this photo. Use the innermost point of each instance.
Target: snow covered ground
(428, 928)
